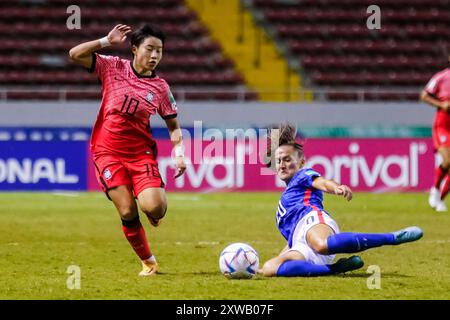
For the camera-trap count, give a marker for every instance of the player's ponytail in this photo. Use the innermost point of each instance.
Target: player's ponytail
(287, 134)
(283, 135)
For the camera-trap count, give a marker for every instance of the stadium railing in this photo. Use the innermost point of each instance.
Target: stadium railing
(237, 94)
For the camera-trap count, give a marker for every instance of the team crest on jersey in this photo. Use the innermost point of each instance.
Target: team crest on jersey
(150, 96)
(443, 138)
(107, 174)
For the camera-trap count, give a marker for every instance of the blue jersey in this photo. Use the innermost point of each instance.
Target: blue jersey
(297, 200)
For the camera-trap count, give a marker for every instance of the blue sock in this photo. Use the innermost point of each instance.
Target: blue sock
(301, 268)
(349, 242)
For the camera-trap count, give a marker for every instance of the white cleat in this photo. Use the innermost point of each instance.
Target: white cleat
(441, 207)
(434, 198)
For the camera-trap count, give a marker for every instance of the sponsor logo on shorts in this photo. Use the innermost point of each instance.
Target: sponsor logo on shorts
(107, 174)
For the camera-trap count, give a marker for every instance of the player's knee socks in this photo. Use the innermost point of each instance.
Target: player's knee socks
(135, 234)
(301, 268)
(349, 242)
(445, 187)
(439, 174)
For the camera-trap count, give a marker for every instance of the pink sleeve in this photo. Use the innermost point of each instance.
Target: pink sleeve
(433, 85)
(101, 64)
(168, 106)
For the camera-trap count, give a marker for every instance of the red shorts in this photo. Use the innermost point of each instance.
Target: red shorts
(441, 137)
(140, 172)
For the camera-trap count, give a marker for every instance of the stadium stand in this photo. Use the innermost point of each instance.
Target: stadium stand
(255, 54)
(339, 57)
(34, 62)
(338, 52)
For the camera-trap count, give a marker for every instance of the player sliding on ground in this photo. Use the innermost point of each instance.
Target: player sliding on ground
(313, 236)
(123, 149)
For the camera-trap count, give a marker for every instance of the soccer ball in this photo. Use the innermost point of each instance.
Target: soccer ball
(239, 261)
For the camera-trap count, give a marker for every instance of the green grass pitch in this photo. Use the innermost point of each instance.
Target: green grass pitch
(42, 234)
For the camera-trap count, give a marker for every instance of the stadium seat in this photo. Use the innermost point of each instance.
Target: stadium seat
(39, 57)
(336, 49)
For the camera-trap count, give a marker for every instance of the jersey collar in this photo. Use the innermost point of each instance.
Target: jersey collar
(294, 176)
(153, 75)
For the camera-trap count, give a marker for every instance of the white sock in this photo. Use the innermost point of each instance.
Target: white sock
(152, 259)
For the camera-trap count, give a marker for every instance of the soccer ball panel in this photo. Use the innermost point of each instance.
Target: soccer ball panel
(239, 261)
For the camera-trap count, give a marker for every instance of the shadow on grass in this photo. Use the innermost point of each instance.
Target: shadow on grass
(367, 275)
(258, 277)
(200, 273)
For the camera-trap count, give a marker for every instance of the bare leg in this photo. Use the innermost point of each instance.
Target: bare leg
(125, 203)
(153, 203)
(317, 238)
(270, 268)
(123, 199)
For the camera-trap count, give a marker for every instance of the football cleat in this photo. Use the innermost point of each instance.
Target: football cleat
(434, 198)
(347, 264)
(441, 207)
(149, 267)
(407, 235)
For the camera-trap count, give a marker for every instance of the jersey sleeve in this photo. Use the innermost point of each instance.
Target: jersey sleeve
(433, 85)
(307, 177)
(101, 64)
(167, 109)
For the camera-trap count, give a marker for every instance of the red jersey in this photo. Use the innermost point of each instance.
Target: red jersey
(128, 101)
(439, 86)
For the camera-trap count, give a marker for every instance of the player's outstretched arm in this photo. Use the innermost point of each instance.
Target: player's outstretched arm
(82, 53)
(177, 142)
(331, 186)
(432, 101)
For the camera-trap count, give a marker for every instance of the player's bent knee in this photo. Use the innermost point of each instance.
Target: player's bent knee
(128, 214)
(446, 164)
(156, 212)
(445, 159)
(321, 247)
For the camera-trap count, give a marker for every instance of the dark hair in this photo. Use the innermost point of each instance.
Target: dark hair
(145, 31)
(283, 135)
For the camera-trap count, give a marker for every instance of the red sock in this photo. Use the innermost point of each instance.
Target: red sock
(138, 240)
(439, 174)
(445, 187)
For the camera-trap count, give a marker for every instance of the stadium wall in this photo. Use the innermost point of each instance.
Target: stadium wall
(231, 114)
(44, 146)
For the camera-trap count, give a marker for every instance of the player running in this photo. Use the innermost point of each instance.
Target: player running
(313, 237)
(123, 149)
(437, 94)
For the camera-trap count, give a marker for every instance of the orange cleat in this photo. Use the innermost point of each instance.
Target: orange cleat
(149, 267)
